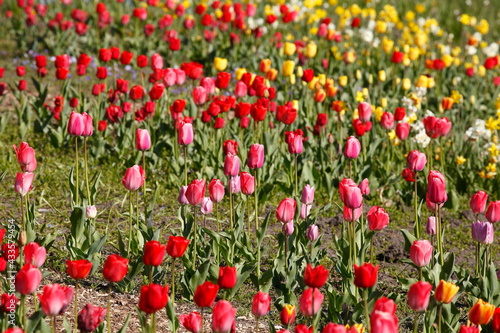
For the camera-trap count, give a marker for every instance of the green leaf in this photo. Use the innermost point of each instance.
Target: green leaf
(409, 239)
(123, 329)
(174, 321)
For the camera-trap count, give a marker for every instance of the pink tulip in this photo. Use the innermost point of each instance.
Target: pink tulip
(307, 194)
(384, 304)
(421, 252)
(240, 90)
(27, 279)
(247, 183)
(216, 190)
(55, 299)
(234, 184)
(288, 228)
(351, 215)
(156, 61)
(436, 187)
(90, 212)
(185, 135)
(223, 315)
(305, 210)
(334, 328)
(191, 322)
(88, 128)
(23, 182)
(286, 210)
(350, 193)
(142, 139)
(261, 304)
(195, 192)
(231, 165)
(312, 232)
(493, 212)
(25, 157)
(209, 84)
(402, 131)
(309, 304)
(430, 228)
(76, 124)
(199, 95)
(364, 187)
(478, 202)
(377, 218)
(416, 160)
(295, 143)
(206, 206)
(364, 111)
(182, 196)
(181, 76)
(383, 322)
(169, 77)
(419, 295)
(34, 254)
(134, 178)
(255, 156)
(483, 232)
(352, 147)
(387, 120)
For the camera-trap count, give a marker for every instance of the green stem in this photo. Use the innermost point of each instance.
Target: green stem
(415, 323)
(286, 252)
(153, 322)
(130, 210)
(76, 303)
(194, 237)
(230, 209)
(173, 282)
(202, 328)
(185, 166)
(23, 311)
(441, 254)
(76, 171)
(365, 300)
(371, 248)
(217, 210)
(418, 228)
(420, 274)
(86, 170)
(256, 324)
(54, 324)
(296, 175)
(151, 268)
(257, 227)
(109, 309)
(440, 314)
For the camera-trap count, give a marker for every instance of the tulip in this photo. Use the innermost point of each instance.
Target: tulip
(334, 328)
(495, 322)
(134, 178)
(364, 187)
(216, 190)
(227, 277)
(421, 252)
(402, 131)
(286, 210)
(199, 95)
(419, 295)
(416, 160)
(312, 232)
(223, 316)
(191, 321)
(352, 148)
(176, 246)
(234, 185)
(90, 212)
(307, 194)
(288, 229)
(377, 218)
(115, 268)
(430, 228)
(436, 187)
(76, 124)
(25, 157)
(387, 120)
(247, 183)
(364, 111)
(383, 322)
(384, 304)
(482, 232)
(205, 294)
(365, 276)
(231, 165)
(154, 297)
(255, 156)
(206, 206)
(478, 202)
(23, 182)
(261, 304)
(78, 269)
(288, 67)
(304, 211)
(493, 212)
(222, 80)
(142, 139)
(468, 329)
(301, 328)
(315, 277)
(34, 254)
(185, 133)
(310, 301)
(287, 315)
(350, 193)
(90, 317)
(295, 143)
(481, 313)
(195, 191)
(55, 299)
(9, 302)
(182, 196)
(154, 252)
(27, 279)
(445, 292)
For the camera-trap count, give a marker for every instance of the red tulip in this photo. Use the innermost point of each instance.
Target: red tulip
(258, 112)
(416, 160)
(10, 251)
(364, 111)
(247, 183)
(153, 298)
(13, 330)
(227, 277)
(261, 304)
(419, 295)
(402, 130)
(352, 148)
(154, 252)
(55, 299)
(222, 80)
(136, 92)
(223, 317)
(478, 202)
(185, 136)
(90, 317)
(176, 246)
(23, 182)
(205, 294)
(199, 95)
(286, 114)
(310, 301)
(377, 218)
(315, 277)
(397, 57)
(115, 268)
(421, 252)
(408, 175)
(78, 269)
(25, 157)
(157, 91)
(350, 193)
(231, 165)
(387, 120)
(468, 329)
(301, 328)
(255, 156)
(41, 61)
(195, 191)
(9, 302)
(334, 328)
(384, 304)
(102, 73)
(287, 315)
(191, 321)
(495, 322)
(142, 139)
(34, 254)
(365, 276)
(134, 178)
(493, 212)
(383, 322)
(436, 187)
(286, 210)
(295, 143)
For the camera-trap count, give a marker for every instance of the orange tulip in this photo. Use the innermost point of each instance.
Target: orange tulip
(481, 313)
(447, 103)
(445, 292)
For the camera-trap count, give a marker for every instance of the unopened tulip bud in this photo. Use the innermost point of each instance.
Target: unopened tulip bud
(91, 212)
(312, 232)
(182, 196)
(23, 238)
(206, 206)
(288, 228)
(430, 228)
(305, 209)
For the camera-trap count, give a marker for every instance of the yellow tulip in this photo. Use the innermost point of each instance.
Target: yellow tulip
(446, 291)
(311, 50)
(381, 75)
(239, 73)
(220, 64)
(343, 80)
(288, 67)
(406, 84)
(289, 48)
(322, 79)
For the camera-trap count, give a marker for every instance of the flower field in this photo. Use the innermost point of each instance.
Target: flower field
(257, 166)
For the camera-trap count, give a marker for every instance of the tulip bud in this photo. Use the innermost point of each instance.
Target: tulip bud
(352, 148)
(182, 196)
(430, 228)
(482, 232)
(478, 202)
(23, 238)
(91, 212)
(206, 206)
(312, 232)
(421, 252)
(419, 295)
(481, 312)
(445, 292)
(288, 228)
(304, 211)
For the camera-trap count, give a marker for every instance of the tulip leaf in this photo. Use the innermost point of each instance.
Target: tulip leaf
(243, 273)
(123, 329)
(174, 321)
(409, 239)
(66, 325)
